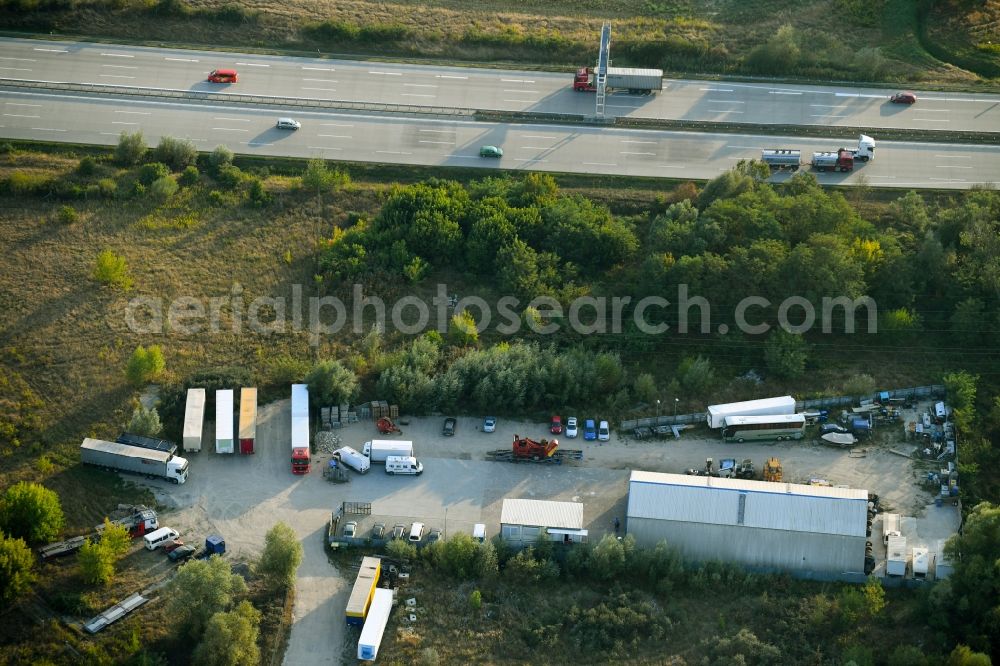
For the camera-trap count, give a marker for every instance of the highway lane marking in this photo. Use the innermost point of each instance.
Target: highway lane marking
(932, 120)
(517, 80)
(235, 120)
(392, 152)
(122, 122)
(20, 104)
(716, 89)
(463, 157)
(520, 90)
(724, 101)
(829, 106)
(955, 157)
(621, 106)
(528, 159)
(447, 143)
(386, 73)
(320, 69)
(673, 166)
(645, 142)
(182, 59)
(950, 166)
(252, 64)
(135, 113)
(116, 76)
(52, 50)
(110, 134)
(534, 147)
(746, 147)
(627, 153)
(228, 129)
(782, 92)
(122, 66)
(449, 76)
(334, 136)
(539, 136)
(321, 80)
(933, 111)
(16, 69)
(599, 164)
(334, 125)
(117, 55)
(950, 180)
(18, 59)
(255, 144)
(18, 115)
(522, 101)
(829, 115)
(859, 95)
(723, 111)
(323, 148)
(415, 95)
(48, 129)
(437, 131)
(320, 89)
(421, 85)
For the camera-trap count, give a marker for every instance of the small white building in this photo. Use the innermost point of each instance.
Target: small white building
(523, 521)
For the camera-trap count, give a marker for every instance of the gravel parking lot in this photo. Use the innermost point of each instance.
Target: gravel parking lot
(242, 497)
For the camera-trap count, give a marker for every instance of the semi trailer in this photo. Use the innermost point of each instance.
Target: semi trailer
(716, 414)
(841, 159)
(134, 459)
(645, 81)
(378, 450)
(194, 419)
(301, 463)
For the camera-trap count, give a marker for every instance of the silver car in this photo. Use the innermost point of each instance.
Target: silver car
(288, 124)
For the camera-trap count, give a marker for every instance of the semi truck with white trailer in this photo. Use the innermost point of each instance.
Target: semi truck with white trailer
(350, 457)
(134, 459)
(378, 617)
(224, 421)
(716, 414)
(194, 419)
(645, 81)
(301, 462)
(378, 450)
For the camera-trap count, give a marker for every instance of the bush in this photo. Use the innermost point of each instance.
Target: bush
(176, 153)
(330, 383)
(189, 176)
(401, 550)
(16, 568)
(476, 600)
(259, 196)
(163, 188)
(87, 166)
(282, 556)
(67, 215)
(229, 175)
(145, 364)
(220, 157)
(31, 512)
(149, 173)
(112, 271)
(107, 188)
(131, 148)
(145, 422)
(137, 190)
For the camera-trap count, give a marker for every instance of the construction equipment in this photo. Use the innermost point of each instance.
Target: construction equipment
(387, 427)
(708, 471)
(730, 469)
(772, 470)
(525, 449)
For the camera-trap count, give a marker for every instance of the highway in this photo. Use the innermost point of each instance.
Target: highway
(445, 142)
(488, 89)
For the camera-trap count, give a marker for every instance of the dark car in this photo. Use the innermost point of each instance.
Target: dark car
(435, 535)
(181, 553)
(827, 428)
(398, 531)
(378, 531)
(491, 151)
(905, 97)
(449, 426)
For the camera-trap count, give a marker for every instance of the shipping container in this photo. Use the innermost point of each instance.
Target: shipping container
(768, 406)
(224, 421)
(194, 419)
(378, 617)
(363, 590)
(248, 419)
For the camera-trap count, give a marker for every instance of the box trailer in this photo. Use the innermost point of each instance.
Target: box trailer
(363, 590)
(890, 527)
(921, 562)
(134, 459)
(378, 450)
(301, 463)
(224, 421)
(378, 617)
(896, 556)
(942, 563)
(248, 419)
(716, 414)
(644, 81)
(154, 443)
(194, 419)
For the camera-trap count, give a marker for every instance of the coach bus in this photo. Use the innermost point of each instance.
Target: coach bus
(775, 427)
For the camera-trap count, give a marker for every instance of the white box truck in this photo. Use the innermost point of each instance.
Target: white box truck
(896, 556)
(194, 419)
(378, 450)
(890, 526)
(356, 461)
(378, 616)
(224, 421)
(921, 562)
(135, 459)
(716, 414)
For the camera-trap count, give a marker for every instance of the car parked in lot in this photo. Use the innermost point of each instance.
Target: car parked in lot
(181, 553)
(416, 532)
(378, 531)
(905, 97)
(589, 430)
(398, 531)
(571, 430)
(490, 151)
(435, 535)
(490, 424)
(555, 427)
(603, 432)
(828, 428)
(448, 429)
(171, 546)
(351, 528)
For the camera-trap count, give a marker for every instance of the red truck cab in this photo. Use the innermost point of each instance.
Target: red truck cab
(223, 76)
(301, 463)
(583, 82)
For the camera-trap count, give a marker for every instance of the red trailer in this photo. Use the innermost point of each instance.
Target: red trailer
(248, 419)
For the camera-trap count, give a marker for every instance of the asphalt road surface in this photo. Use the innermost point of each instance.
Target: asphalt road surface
(488, 89)
(446, 142)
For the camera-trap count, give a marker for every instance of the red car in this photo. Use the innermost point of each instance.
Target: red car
(556, 426)
(172, 546)
(223, 76)
(903, 98)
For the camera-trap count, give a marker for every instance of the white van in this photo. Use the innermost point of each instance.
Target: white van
(416, 532)
(479, 532)
(403, 465)
(154, 540)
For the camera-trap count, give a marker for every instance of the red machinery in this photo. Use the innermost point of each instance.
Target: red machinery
(525, 449)
(387, 427)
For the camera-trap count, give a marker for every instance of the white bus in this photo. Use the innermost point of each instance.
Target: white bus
(750, 428)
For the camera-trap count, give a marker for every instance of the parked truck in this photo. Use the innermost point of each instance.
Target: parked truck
(896, 556)
(350, 457)
(134, 459)
(378, 450)
(378, 617)
(144, 442)
(224, 421)
(301, 462)
(644, 81)
(716, 414)
(890, 527)
(248, 419)
(194, 419)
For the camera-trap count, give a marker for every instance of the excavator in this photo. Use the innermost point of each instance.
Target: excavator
(772, 470)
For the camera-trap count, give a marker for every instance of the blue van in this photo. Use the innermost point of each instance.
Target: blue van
(589, 430)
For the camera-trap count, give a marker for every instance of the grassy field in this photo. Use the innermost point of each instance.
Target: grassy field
(817, 39)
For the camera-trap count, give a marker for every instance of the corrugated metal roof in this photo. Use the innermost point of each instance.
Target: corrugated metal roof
(542, 513)
(758, 504)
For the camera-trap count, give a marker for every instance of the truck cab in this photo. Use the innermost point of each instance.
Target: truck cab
(583, 81)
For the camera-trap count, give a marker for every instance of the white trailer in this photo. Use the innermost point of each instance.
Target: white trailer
(780, 158)
(224, 421)
(378, 616)
(194, 419)
(896, 557)
(921, 562)
(353, 459)
(716, 414)
(890, 527)
(378, 450)
(135, 459)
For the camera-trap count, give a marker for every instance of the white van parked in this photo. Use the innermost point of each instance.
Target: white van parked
(403, 465)
(479, 532)
(416, 532)
(154, 540)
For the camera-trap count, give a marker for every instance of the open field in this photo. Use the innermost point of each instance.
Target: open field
(769, 37)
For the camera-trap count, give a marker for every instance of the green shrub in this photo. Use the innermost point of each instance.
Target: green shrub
(259, 196)
(476, 600)
(137, 190)
(131, 148)
(220, 157)
(175, 153)
(145, 365)
(153, 171)
(68, 215)
(229, 175)
(87, 166)
(163, 188)
(112, 271)
(189, 176)
(107, 188)
(25, 184)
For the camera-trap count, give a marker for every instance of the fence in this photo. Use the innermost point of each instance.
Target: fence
(916, 392)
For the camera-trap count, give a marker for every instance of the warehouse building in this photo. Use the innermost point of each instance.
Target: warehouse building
(809, 530)
(523, 521)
